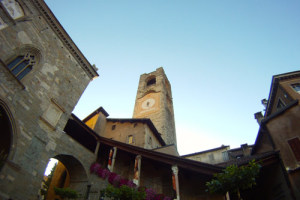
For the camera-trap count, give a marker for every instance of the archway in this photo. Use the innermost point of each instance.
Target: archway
(5, 136)
(68, 173)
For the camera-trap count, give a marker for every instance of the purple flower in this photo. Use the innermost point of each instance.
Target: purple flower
(131, 184)
(150, 194)
(168, 198)
(99, 171)
(111, 178)
(159, 197)
(105, 173)
(94, 167)
(123, 181)
(116, 180)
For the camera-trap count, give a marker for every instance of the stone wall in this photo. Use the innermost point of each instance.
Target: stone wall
(40, 103)
(141, 133)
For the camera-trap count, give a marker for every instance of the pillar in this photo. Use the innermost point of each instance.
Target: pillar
(97, 150)
(137, 170)
(175, 181)
(111, 158)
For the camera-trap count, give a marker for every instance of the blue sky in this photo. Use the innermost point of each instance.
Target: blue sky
(219, 56)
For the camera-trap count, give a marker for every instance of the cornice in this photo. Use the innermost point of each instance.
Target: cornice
(65, 38)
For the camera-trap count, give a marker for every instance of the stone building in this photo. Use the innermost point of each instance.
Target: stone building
(279, 127)
(220, 154)
(42, 76)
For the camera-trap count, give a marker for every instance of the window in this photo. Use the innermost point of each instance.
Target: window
(211, 157)
(225, 155)
(22, 65)
(150, 141)
(280, 104)
(113, 127)
(130, 139)
(296, 87)
(13, 8)
(152, 81)
(295, 146)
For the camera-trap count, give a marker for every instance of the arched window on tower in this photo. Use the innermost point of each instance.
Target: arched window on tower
(22, 65)
(151, 81)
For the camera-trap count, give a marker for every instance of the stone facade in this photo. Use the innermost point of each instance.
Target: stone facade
(212, 156)
(39, 104)
(154, 101)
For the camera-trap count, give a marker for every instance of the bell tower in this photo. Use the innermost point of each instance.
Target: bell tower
(154, 101)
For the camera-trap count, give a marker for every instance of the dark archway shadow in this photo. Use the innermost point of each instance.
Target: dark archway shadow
(5, 136)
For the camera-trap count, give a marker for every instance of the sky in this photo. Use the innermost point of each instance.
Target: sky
(219, 57)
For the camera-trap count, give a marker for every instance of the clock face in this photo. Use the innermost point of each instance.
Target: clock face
(148, 103)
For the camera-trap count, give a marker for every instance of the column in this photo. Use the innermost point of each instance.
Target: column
(111, 158)
(137, 170)
(97, 150)
(175, 181)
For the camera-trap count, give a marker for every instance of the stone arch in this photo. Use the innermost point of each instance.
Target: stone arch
(78, 175)
(26, 48)
(7, 127)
